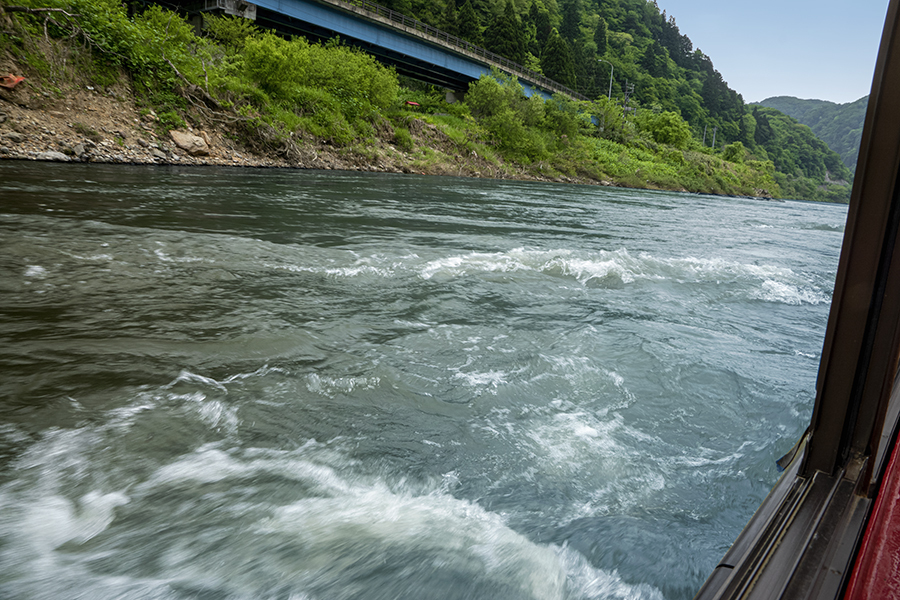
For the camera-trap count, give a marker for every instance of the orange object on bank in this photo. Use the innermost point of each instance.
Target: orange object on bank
(10, 81)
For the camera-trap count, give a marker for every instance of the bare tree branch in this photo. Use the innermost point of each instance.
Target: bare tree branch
(35, 11)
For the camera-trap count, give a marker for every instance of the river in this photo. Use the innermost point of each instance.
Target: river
(227, 384)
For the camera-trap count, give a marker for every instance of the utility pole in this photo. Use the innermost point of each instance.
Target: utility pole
(704, 135)
(611, 71)
(629, 89)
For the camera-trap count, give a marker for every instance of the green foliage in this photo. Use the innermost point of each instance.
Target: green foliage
(795, 149)
(469, 23)
(277, 65)
(539, 20)
(838, 125)
(505, 35)
(280, 88)
(170, 120)
(403, 139)
(450, 18)
(656, 60)
(510, 118)
(334, 92)
(600, 36)
(556, 60)
(565, 117)
(231, 32)
(665, 128)
(337, 91)
(734, 152)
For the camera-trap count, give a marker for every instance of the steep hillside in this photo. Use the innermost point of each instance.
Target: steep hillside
(801, 159)
(838, 125)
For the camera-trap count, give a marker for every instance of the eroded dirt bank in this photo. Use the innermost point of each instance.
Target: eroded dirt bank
(84, 124)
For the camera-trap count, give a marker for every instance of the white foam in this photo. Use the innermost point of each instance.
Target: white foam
(435, 527)
(331, 386)
(342, 514)
(188, 377)
(36, 271)
(619, 267)
(214, 413)
(588, 582)
(487, 381)
(377, 265)
(260, 372)
(779, 291)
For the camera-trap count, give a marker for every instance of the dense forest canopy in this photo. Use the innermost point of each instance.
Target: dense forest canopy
(579, 41)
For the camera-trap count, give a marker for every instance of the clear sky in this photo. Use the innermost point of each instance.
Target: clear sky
(813, 49)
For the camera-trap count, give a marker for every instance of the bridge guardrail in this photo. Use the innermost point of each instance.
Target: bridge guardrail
(408, 23)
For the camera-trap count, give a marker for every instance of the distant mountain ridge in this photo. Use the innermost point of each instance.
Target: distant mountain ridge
(838, 125)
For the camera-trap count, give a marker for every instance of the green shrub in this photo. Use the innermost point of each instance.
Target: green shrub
(403, 139)
(734, 152)
(231, 32)
(170, 120)
(665, 128)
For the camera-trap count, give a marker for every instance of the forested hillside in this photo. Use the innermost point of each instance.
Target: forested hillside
(838, 125)
(802, 160)
(636, 54)
(579, 42)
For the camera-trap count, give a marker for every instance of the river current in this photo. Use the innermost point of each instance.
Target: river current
(229, 384)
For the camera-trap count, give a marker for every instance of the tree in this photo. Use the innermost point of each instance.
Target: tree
(764, 132)
(449, 19)
(506, 36)
(656, 60)
(569, 29)
(600, 36)
(469, 24)
(582, 64)
(556, 60)
(403, 6)
(666, 128)
(540, 18)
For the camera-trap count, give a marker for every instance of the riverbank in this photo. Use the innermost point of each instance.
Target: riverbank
(85, 124)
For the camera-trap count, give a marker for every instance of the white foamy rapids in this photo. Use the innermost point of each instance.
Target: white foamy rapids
(585, 581)
(200, 396)
(786, 293)
(421, 535)
(572, 443)
(488, 381)
(613, 465)
(39, 513)
(617, 268)
(266, 523)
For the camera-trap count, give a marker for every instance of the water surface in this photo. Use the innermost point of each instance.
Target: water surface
(262, 384)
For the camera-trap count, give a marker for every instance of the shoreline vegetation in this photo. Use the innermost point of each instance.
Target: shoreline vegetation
(107, 84)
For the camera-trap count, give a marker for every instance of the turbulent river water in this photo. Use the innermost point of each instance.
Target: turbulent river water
(224, 384)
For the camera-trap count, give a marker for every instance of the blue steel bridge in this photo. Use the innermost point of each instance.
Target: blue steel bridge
(412, 47)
